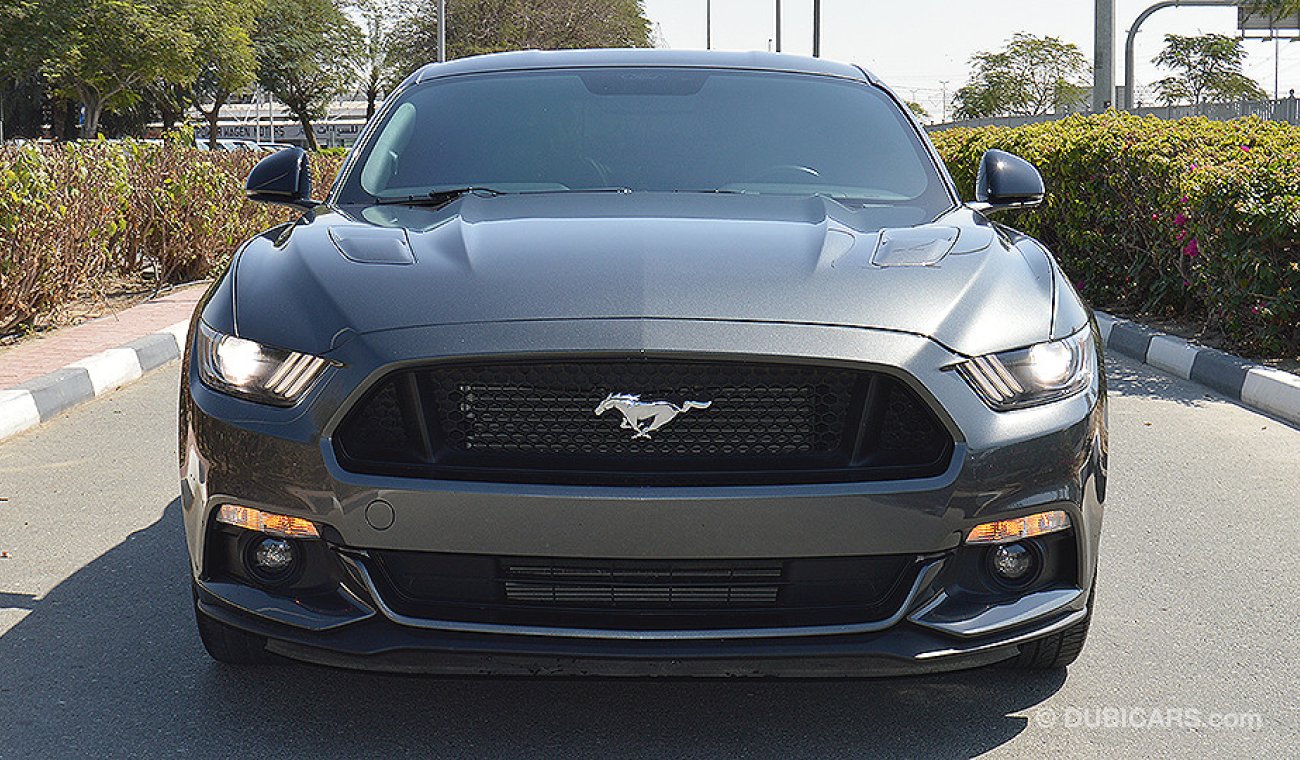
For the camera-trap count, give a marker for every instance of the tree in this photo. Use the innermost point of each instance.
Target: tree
(489, 26)
(1030, 76)
(304, 56)
(104, 53)
(1208, 70)
(379, 18)
(917, 109)
(227, 62)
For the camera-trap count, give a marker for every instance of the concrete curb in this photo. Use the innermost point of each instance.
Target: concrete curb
(1265, 389)
(29, 404)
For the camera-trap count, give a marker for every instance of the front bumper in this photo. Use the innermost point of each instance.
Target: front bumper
(1004, 465)
(375, 643)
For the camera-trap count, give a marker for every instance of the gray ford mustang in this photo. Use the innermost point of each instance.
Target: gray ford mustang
(643, 363)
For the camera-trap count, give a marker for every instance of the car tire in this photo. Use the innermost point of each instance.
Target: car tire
(1055, 651)
(230, 645)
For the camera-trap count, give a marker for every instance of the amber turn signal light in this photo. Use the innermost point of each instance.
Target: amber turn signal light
(1015, 529)
(266, 522)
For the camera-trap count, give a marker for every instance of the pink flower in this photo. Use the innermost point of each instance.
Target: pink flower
(1180, 235)
(1245, 148)
(1184, 199)
(1191, 249)
(1180, 219)
(1254, 310)
(1187, 284)
(1155, 217)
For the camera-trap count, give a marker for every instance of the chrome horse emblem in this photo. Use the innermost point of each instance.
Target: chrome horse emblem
(645, 417)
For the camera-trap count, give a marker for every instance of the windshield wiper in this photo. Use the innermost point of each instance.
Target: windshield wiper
(441, 197)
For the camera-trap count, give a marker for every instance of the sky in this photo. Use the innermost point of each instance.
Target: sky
(916, 45)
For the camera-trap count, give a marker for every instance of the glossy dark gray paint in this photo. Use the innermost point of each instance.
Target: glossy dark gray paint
(374, 288)
(637, 255)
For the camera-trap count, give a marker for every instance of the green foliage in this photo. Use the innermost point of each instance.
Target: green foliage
(226, 61)
(305, 52)
(70, 213)
(104, 52)
(1208, 70)
(1030, 76)
(1194, 219)
(490, 26)
(380, 19)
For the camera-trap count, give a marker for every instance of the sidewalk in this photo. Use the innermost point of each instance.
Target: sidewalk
(44, 377)
(31, 359)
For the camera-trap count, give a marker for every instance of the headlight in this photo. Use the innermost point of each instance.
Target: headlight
(250, 370)
(1036, 375)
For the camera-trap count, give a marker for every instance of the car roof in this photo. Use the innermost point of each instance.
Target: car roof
(564, 59)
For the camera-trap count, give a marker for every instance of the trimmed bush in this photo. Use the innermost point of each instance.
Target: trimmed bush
(72, 213)
(1190, 219)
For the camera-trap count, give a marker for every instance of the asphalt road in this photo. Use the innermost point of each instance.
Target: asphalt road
(1196, 624)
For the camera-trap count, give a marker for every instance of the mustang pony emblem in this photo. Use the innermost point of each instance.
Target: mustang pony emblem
(643, 417)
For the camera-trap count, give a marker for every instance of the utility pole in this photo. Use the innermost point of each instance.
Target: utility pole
(1277, 51)
(778, 26)
(817, 28)
(943, 100)
(1103, 55)
(708, 24)
(442, 30)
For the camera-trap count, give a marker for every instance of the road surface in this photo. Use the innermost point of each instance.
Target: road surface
(1196, 624)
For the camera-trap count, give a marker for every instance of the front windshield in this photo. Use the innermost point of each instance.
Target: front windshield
(649, 129)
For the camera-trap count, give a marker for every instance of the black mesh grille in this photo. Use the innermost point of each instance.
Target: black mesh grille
(697, 422)
(624, 593)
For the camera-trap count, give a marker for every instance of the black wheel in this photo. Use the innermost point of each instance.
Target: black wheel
(1055, 651)
(231, 645)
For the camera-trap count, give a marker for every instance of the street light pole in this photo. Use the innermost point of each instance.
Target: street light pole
(778, 26)
(1277, 51)
(817, 28)
(442, 30)
(1137, 23)
(708, 24)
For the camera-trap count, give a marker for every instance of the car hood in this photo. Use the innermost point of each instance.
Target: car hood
(313, 284)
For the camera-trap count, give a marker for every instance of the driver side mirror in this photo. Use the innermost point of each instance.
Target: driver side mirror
(284, 177)
(1006, 181)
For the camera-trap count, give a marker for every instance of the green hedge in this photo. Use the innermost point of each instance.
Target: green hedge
(1192, 219)
(72, 213)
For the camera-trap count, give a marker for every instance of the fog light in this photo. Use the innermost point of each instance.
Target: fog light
(271, 560)
(1012, 562)
(273, 555)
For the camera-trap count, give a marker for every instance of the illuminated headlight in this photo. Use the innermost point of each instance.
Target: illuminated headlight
(250, 370)
(1036, 375)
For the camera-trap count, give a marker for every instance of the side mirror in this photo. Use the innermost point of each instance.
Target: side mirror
(284, 177)
(1007, 181)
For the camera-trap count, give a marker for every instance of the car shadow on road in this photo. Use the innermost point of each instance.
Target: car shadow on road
(109, 663)
(1128, 378)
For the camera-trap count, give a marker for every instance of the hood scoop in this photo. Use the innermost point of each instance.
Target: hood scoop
(373, 245)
